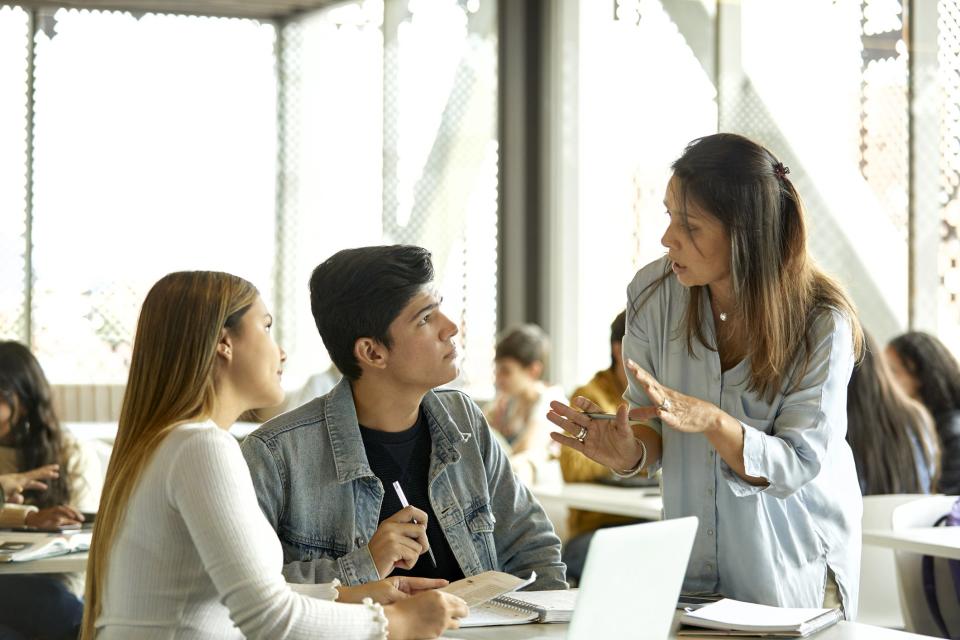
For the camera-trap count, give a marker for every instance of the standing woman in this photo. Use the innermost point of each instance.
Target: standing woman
(181, 548)
(739, 351)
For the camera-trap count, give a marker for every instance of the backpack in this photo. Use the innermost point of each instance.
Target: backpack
(929, 577)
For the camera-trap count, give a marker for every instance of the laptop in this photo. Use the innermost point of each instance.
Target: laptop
(631, 580)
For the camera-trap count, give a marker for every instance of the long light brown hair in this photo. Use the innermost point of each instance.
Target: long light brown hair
(778, 291)
(171, 382)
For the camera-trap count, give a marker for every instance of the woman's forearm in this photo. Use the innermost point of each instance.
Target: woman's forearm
(726, 435)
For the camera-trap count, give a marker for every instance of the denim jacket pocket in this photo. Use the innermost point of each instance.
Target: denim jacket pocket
(481, 524)
(314, 547)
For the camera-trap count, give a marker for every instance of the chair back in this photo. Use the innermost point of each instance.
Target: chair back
(879, 603)
(923, 512)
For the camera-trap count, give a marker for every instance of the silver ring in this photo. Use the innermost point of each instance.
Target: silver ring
(582, 435)
(665, 405)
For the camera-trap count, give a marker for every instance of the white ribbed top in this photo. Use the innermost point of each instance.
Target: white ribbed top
(195, 557)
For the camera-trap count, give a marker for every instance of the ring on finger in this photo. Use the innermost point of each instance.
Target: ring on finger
(665, 405)
(582, 435)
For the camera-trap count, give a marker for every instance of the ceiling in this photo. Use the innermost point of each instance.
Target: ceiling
(262, 9)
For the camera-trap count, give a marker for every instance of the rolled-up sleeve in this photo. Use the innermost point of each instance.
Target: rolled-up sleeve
(812, 416)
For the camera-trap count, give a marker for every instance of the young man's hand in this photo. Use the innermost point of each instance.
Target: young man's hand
(399, 541)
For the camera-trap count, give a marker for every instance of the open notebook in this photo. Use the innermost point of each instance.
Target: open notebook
(23, 546)
(732, 617)
(519, 607)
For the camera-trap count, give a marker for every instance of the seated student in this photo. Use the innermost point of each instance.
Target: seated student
(892, 436)
(929, 373)
(324, 472)
(31, 437)
(519, 410)
(181, 549)
(606, 389)
(34, 606)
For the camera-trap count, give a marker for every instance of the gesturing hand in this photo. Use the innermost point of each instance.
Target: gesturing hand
(14, 484)
(609, 442)
(674, 409)
(399, 541)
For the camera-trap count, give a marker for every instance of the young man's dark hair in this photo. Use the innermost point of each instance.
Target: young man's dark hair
(357, 293)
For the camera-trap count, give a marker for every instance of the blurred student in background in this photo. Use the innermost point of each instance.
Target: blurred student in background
(31, 437)
(929, 373)
(894, 442)
(518, 411)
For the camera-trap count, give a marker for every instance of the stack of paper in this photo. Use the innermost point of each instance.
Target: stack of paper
(732, 617)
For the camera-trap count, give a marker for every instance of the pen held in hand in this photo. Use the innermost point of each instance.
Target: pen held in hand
(405, 504)
(608, 416)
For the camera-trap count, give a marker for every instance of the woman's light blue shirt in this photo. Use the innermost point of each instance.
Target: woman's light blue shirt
(773, 544)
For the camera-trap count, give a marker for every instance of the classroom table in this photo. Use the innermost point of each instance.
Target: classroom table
(69, 563)
(644, 503)
(840, 631)
(943, 542)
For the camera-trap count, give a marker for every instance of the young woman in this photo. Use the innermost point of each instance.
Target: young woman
(44, 605)
(31, 437)
(893, 438)
(929, 373)
(181, 548)
(740, 351)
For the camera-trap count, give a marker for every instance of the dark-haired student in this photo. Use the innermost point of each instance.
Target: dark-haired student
(929, 373)
(739, 351)
(324, 472)
(892, 436)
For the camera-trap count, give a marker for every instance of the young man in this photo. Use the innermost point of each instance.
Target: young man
(324, 472)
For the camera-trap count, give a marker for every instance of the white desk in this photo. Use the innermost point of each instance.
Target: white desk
(839, 631)
(645, 503)
(943, 542)
(70, 563)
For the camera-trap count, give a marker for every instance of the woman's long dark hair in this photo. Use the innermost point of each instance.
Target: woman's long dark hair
(884, 426)
(35, 432)
(778, 291)
(934, 367)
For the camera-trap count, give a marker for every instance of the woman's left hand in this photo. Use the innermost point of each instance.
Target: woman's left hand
(676, 410)
(389, 590)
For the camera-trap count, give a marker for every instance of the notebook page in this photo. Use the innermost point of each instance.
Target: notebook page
(485, 586)
(491, 614)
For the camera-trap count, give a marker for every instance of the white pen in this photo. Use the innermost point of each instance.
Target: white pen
(405, 504)
(609, 416)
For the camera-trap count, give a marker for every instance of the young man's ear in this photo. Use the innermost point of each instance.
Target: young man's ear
(370, 353)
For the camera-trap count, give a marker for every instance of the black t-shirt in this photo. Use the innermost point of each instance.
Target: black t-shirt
(405, 457)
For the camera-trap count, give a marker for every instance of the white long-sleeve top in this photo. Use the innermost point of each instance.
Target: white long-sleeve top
(195, 557)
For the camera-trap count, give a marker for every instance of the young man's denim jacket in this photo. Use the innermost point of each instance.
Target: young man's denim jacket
(315, 486)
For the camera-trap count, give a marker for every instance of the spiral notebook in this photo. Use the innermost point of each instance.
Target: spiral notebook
(520, 607)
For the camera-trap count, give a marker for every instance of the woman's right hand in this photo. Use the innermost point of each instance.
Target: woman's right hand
(53, 517)
(14, 484)
(425, 615)
(609, 442)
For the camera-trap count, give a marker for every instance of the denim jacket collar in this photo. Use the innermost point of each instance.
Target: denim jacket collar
(350, 457)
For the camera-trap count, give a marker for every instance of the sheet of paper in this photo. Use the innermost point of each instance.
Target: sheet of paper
(486, 586)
